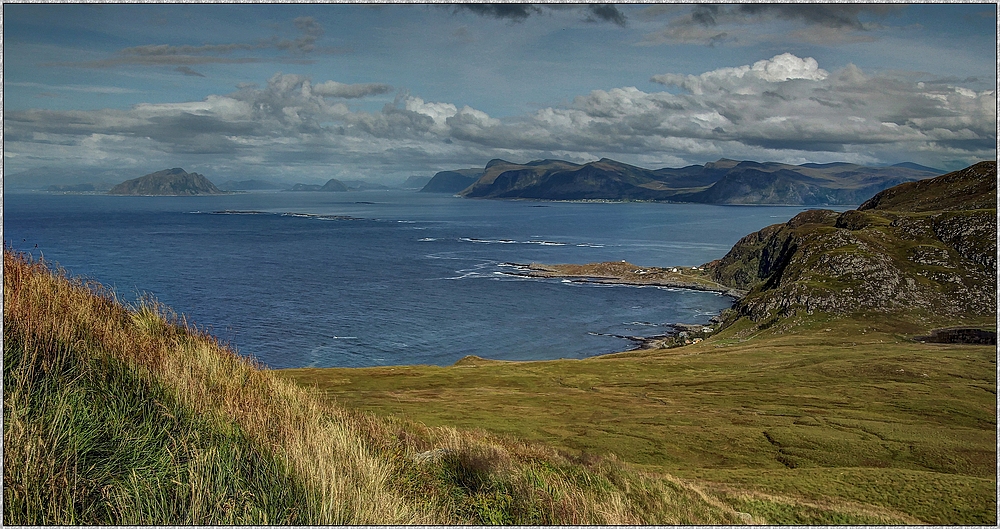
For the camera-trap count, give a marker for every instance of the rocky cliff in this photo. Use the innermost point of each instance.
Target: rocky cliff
(920, 249)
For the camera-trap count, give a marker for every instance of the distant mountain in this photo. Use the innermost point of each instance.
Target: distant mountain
(249, 185)
(722, 182)
(562, 180)
(810, 184)
(911, 165)
(452, 181)
(362, 185)
(331, 185)
(172, 182)
(416, 182)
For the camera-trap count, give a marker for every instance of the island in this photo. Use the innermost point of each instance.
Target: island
(168, 182)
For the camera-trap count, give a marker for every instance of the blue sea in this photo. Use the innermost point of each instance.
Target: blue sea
(367, 278)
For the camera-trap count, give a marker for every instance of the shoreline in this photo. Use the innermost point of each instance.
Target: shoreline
(625, 273)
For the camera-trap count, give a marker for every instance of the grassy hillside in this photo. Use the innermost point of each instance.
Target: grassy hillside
(922, 252)
(819, 411)
(125, 415)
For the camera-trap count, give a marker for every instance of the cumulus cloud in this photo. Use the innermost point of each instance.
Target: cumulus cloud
(741, 79)
(786, 108)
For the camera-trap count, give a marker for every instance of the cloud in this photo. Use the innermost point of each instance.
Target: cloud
(77, 88)
(185, 55)
(838, 16)
(779, 68)
(349, 91)
(512, 12)
(714, 24)
(786, 108)
(606, 13)
(520, 12)
(188, 71)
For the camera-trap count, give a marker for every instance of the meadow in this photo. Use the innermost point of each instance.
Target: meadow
(817, 412)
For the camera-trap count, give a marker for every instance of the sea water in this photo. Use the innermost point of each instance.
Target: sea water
(367, 278)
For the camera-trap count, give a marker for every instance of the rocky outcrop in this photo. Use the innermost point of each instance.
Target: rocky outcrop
(170, 182)
(907, 259)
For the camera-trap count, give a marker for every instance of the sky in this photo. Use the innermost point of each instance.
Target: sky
(304, 93)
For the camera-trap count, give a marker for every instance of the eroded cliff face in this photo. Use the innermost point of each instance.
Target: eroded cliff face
(896, 256)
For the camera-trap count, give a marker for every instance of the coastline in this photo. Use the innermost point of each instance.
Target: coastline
(625, 273)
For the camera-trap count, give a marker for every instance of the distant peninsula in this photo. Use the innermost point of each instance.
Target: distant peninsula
(331, 185)
(168, 182)
(722, 182)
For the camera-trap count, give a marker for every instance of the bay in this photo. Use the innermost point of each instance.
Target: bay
(386, 277)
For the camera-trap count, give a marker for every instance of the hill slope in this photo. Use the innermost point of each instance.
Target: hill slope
(451, 181)
(921, 250)
(171, 182)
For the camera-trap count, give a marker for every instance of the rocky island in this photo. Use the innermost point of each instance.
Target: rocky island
(168, 182)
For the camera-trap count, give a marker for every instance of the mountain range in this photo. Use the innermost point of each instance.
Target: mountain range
(722, 182)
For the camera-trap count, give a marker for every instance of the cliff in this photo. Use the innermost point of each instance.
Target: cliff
(919, 250)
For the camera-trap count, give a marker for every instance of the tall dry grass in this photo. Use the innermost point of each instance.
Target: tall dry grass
(127, 414)
(48, 317)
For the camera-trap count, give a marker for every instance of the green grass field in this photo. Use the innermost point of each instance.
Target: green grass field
(821, 411)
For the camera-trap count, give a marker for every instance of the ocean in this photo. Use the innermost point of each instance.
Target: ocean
(367, 278)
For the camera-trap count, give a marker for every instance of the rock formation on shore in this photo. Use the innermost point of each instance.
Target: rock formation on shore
(919, 249)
